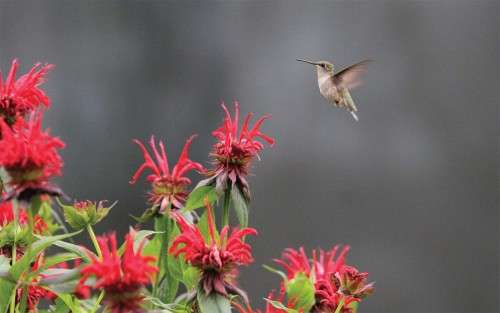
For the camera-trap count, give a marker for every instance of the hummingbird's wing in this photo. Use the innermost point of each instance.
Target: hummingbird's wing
(350, 77)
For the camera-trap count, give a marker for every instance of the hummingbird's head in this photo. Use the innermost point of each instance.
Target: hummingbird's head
(321, 66)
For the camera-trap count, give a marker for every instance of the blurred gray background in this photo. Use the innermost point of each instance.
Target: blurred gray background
(413, 187)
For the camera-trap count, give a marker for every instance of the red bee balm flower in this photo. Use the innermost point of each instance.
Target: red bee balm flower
(334, 281)
(218, 258)
(30, 156)
(122, 278)
(168, 187)
(18, 97)
(234, 152)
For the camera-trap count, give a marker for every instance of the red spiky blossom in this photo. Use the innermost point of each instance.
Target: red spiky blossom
(334, 281)
(235, 149)
(122, 278)
(30, 156)
(168, 186)
(21, 96)
(218, 257)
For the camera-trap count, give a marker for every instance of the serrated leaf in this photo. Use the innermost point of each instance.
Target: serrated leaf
(196, 198)
(213, 303)
(240, 206)
(77, 220)
(300, 291)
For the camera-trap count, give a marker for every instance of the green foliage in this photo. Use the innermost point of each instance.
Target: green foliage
(23, 264)
(196, 198)
(91, 214)
(213, 303)
(240, 206)
(300, 291)
(280, 306)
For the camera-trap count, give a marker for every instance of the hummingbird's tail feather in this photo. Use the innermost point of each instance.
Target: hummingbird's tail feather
(355, 116)
(349, 103)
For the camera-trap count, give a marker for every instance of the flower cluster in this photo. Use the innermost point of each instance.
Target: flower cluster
(168, 187)
(335, 283)
(30, 157)
(235, 149)
(21, 96)
(218, 257)
(121, 277)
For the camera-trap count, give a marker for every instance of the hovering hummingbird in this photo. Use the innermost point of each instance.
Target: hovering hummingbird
(335, 87)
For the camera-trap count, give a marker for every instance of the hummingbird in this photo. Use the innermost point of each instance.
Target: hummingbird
(335, 87)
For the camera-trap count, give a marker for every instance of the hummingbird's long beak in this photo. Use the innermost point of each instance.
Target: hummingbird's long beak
(306, 61)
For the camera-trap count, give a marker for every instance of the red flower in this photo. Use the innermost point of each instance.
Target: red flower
(7, 216)
(353, 282)
(30, 156)
(233, 152)
(334, 281)
(218, 258)
(35, 292)
(18, 97)
(168, 187)
(122, 278)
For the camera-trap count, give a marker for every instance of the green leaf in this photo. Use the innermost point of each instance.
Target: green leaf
(139, 237)
(6, 290)
(66, 302)
(60, 307)
(280, 306)
(213, 303)
(147, 215)
(81, 251)
(38, 246)
(353, 306)
(76, 219)
(53, 276)
(196, 198)
(240, 206)
(300, 290)
(191, 277)
(52, 260)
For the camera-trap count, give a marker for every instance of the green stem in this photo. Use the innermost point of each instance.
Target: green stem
(14, 253)
(339, 306)
(98, 302)
(225, 207)
(94, 240)
(97, 248)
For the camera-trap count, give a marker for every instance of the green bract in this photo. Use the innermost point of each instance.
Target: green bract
(82, 214)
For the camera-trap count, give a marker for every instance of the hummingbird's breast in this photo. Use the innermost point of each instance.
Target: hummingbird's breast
(326, 86)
